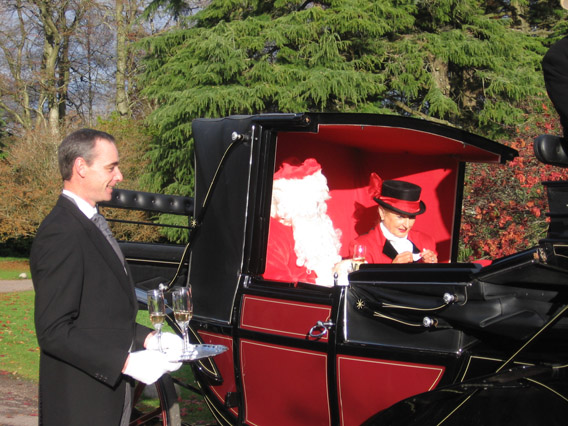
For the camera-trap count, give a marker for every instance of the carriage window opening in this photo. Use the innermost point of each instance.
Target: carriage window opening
(314, 229)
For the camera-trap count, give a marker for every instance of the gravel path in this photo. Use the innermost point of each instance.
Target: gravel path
(8, 286)
(18, 400)
(18, 404)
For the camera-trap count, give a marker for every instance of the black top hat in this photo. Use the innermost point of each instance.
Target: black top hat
(401, 197)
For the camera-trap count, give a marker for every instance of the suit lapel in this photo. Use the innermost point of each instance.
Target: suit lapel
(390, 251)
(103, 246)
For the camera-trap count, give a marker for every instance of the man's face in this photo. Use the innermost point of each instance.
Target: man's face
(103, 173)
(398, 224)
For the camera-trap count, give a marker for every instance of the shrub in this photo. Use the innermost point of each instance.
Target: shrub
(504, 206)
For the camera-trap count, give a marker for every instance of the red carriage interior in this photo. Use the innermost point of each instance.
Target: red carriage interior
(349, 153)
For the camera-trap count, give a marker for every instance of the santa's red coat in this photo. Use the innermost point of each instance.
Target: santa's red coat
(281, 258)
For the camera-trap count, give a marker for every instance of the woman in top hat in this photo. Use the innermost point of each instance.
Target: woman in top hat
(394, 240)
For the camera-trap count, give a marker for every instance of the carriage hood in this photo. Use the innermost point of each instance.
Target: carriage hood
(243, 152)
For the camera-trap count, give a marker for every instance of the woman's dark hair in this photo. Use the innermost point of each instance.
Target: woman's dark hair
(80, 143)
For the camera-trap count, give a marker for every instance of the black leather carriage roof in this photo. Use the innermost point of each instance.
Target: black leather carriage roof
(369, 132)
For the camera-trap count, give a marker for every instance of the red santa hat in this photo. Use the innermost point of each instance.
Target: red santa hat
(291, 168)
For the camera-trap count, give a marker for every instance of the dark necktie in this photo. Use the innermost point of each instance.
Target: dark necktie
(102, 224)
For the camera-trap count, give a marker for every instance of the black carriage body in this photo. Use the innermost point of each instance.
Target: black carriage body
(393, 336)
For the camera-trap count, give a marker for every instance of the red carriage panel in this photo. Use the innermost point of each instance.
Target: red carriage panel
(284, 386)
(282, 317)
(367, 386)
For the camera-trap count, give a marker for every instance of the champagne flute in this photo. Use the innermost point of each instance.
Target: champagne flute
(157, 311)
(359, 254)
(183, 311)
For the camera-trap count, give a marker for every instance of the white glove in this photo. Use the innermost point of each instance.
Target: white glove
(148, 366)
(172, 344)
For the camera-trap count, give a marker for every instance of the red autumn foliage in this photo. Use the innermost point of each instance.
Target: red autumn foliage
(504, 206)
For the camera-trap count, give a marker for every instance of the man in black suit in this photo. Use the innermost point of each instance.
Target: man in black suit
(555, 70)
(85, 304)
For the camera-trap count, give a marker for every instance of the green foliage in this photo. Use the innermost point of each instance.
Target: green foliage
(176, 8)
(473, 64)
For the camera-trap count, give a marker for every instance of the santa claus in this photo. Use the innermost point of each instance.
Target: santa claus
(303, 245)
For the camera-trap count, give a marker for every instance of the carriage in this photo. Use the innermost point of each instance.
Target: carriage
(417, 344)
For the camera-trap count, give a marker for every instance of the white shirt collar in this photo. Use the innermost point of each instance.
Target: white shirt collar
(400, 244)
(84, 206)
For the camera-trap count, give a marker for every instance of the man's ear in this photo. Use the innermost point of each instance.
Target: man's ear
(80, 167)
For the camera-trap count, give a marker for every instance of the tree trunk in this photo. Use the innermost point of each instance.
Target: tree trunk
(121, 60)
(54, 80)
(48, 80)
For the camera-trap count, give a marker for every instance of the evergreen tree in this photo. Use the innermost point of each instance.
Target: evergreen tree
(471, 64)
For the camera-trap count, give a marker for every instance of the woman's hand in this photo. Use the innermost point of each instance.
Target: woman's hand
(404, 257)
(428, 256)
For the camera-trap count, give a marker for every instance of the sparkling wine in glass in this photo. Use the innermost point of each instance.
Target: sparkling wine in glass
(157, 311)
(183, 311)
(359, 254)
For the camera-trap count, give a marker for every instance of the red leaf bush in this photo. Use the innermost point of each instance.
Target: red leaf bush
(504, 206)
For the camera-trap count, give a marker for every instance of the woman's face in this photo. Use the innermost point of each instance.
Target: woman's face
(398, 224)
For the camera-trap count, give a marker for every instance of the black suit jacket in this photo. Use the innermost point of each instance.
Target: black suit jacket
(85, 311)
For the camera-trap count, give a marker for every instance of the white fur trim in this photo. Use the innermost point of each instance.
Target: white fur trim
(300, 203)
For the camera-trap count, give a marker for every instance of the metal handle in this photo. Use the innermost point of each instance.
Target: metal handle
(320, 329)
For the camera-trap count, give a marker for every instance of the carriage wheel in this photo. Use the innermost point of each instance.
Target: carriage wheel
(156, 408)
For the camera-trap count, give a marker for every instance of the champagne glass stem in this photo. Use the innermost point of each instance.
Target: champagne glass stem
(185, 340)
(160, 340)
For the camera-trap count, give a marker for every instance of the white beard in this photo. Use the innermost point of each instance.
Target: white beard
(300, 203)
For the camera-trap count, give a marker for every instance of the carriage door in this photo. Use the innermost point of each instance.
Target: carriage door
(284, 370)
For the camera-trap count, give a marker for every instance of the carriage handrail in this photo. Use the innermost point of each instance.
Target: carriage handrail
(150, 202)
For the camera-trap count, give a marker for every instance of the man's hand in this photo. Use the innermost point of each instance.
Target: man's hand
(148, 366)
(172, 344)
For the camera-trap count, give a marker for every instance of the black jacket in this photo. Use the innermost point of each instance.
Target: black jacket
(85, 311)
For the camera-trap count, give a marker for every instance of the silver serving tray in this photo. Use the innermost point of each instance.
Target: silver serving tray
(202, 351)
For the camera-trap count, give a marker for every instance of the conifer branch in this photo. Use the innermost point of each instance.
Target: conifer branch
(409, 110)
(458, 62)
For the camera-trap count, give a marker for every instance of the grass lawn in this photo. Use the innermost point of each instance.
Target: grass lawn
(19, 351)
(12, 267)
